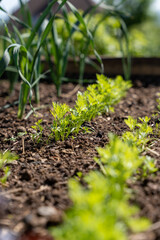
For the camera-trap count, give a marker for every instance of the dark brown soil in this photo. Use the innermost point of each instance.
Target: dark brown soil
(36, 193)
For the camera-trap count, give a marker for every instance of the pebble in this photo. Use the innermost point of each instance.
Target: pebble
(35, 221)
(43, 160)
(51, 213)
(21, 129)
(22, 159)
(30, 159)
(54, 151)
(46, 211)
(36, 156)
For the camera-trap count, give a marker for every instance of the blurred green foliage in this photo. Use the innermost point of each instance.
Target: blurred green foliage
(105, 41)
(101, 210)
(135, 12)
(141, 42)
(144, 39)
(138, 19)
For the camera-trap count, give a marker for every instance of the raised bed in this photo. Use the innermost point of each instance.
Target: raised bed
(39, 177)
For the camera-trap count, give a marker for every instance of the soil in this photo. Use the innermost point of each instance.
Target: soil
(35, 195)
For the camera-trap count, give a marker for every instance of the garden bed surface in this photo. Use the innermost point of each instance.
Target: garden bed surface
(39, 177)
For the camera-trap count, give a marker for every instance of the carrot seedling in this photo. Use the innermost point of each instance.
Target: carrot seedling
(6, 158)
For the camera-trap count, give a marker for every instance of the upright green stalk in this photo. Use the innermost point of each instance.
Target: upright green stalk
(25, 13)
(126, 58)
(23, 96)
(60, 47)
(27, 60)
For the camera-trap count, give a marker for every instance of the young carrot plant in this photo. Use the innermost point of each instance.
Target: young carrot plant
(37, 135)
(61, 126)
(139, 134)
(66, 121)
(6, 158)
(97, 99)
(102, 209)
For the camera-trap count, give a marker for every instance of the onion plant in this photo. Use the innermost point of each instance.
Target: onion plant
(25, 13)
(27, 61)
(59, 47)
(122, 33)
(11, 73)
(81, 45)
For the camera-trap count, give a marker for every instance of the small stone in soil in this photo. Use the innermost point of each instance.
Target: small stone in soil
(34, 221)
(21, 129)
(46, 211)
(51, 213)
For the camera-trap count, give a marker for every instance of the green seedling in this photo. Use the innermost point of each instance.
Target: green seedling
(66, 121)
(148, 167)
(14, 138)
(38, 131)
(102, 209)
(97, 99)
(62, 124)
(139, 134)
(6, 158)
